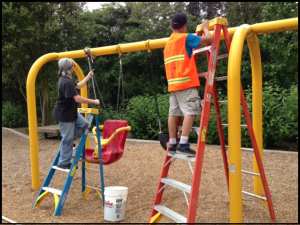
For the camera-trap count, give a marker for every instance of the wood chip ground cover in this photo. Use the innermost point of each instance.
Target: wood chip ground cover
(139, 170)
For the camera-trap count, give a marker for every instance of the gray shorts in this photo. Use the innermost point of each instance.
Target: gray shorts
(185, 103)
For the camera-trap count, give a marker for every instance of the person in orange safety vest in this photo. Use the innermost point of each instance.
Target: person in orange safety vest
(183, 80)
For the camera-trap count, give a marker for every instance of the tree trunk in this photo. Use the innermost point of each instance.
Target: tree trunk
(46, 110)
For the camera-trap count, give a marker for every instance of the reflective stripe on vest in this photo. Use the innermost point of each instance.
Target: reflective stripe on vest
(174, 58)
(179, 80)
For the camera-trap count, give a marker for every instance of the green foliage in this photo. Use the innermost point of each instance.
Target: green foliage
(280, 114)
(280, 117)
(142, 116)
(12, 116)
(279, 51)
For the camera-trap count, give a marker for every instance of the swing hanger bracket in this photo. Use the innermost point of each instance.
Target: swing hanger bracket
(147, 44)
(119, 50)
(89, 53)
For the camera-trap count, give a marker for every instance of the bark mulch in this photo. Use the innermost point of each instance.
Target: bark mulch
(139, 170)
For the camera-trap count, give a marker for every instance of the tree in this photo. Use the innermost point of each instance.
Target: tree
(32, 29)
(280, 50)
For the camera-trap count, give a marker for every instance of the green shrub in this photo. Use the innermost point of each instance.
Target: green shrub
(142, 116)
(12, 116)
(280, 117)
(280, 114)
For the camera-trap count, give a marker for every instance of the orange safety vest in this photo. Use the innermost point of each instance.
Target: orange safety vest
(181, 70)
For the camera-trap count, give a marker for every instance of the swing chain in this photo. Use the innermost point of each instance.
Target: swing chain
(101, 98)
(153, 82)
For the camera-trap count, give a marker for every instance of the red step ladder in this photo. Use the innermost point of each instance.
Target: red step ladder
(158, 209)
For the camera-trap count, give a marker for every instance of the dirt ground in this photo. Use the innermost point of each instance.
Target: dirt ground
(139, 169)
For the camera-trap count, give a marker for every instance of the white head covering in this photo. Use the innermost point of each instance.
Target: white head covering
(64, 65)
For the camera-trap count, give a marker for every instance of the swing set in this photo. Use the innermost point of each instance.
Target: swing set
(112, 151)
(114, 131)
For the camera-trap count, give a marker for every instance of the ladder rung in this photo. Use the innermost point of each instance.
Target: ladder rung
(195, 129)
(242, 125)
(181, 156)
(57, 168)
(170, 213)
(223, 102)
(52, 190)
(253, 195)
(223, 56)
(254, 174)
(248, 149)
(197, 51)
(88, 160)
(202, 74)
(92, 169)
(243, 149)
(176, 184)
(221, 78)
(216, 115)
(93, 187)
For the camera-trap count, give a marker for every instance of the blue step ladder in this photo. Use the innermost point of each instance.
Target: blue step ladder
(60, 196)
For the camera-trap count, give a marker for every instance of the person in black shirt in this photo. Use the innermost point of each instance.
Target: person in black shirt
(71, 122)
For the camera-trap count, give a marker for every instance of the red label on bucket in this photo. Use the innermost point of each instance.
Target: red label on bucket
(109, 204)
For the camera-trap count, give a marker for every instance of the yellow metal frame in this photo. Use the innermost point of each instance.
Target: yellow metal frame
(248, 33)
(238, 35)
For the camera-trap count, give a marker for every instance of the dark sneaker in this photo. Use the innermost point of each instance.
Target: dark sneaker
(172, 148)
(68, 166)
(74, 146)
(185, 149)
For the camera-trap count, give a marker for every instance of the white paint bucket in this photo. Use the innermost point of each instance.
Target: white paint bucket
(115, 203)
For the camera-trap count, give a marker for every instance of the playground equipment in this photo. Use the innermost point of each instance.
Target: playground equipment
(112, 150)
(163, 137)
(109, 154)
(245, 32)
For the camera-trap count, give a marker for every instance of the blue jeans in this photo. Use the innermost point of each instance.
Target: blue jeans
(70, 131)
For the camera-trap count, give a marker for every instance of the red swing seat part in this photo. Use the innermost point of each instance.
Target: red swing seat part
(114, 150)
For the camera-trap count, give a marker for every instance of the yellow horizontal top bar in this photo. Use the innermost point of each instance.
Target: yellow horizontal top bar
(88, 110)
(258, 29)
(212, 23)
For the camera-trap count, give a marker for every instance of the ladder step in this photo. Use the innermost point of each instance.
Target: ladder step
(221, 78)
(244, 149)
(195, 129)
(181, 156)
(92, 169)
(52, 190)
(88, 160)
(176, 184)
(200, 50)
(57, 168)
(93, 187)
(223, 56)
(242, 125)
(253, 195)
(251, 173)
(247, 149)
(170, 213)
(202, 74)
(223, 102)
(216, 115)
